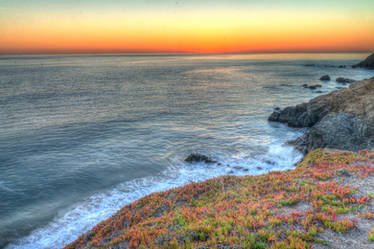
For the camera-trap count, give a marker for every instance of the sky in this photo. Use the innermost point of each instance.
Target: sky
(195, 26)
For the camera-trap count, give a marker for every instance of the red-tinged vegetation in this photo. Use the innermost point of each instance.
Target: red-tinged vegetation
(276, 210)
(371, 235)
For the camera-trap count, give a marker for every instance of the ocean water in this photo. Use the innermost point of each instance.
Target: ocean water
(81, 136)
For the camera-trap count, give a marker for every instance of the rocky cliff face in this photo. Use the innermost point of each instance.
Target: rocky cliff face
(367, 63)
(342, 119)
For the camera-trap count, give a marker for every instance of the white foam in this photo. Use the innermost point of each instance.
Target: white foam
(79, 219)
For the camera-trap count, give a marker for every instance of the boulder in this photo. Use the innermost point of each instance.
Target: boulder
(367, 63)
(312, 86)
(198, 158)
(302, 115)
(335, 130)
(344, 80)
(342, 119)
(89, 235)
(325, 78)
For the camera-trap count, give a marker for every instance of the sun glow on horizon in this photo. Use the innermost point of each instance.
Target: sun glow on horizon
(185, 29)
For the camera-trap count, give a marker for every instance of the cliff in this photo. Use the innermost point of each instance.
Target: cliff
(343, 119)
(367, 63)
(325, 202)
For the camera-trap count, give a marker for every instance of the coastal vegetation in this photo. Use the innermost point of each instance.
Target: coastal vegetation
(326, 198)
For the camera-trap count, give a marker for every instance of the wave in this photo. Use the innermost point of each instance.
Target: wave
(83, 216)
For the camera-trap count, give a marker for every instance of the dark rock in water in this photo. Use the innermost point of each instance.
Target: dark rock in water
(276, 108)
(238, 167)
(367, 63)
(324, 65)
(319, 91)
(343, 119)
(344, 80)
(311, 86)
(270, 162)
(314, 86)
(302, 115)
(325, 78)
(197, 158)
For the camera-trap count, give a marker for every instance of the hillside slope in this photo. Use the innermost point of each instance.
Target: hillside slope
(325, 202)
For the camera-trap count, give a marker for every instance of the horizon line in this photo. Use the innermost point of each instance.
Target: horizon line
(122, 52)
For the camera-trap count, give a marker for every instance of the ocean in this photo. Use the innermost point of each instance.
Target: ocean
(83, 135)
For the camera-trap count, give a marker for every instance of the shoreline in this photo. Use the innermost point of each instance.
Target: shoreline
(277, 209)
(126, 228)
(120, 206)
(342, 119)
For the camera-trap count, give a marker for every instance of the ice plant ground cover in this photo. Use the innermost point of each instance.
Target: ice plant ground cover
(325, 202)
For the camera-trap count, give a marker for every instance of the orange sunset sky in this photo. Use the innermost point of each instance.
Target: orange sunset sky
(163, 26)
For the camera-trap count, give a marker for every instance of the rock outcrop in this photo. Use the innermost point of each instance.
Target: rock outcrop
(367, 63)
(325, 78)
(312, 86)
(343, 119)
(344, 80)
(198, 158)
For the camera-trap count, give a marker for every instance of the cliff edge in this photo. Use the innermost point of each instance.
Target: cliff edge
(325, 202)
(343, 119)
(367, 63)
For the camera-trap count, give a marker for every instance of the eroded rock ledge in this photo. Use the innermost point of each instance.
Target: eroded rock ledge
(343, 119)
